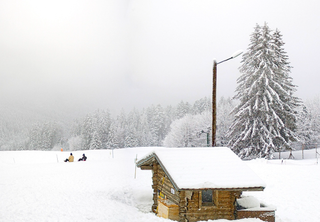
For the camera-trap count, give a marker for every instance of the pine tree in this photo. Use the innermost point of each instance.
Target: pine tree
(265, 119)
(224, 120)
(95, 142)
(183, 109)
(309, 123)
(112, 140)
(132, 126)
(144, 130)
(87, 130)
(201, 106)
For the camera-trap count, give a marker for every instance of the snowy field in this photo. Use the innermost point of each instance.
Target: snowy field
(39, 186)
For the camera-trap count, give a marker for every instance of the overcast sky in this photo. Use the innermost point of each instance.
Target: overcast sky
(113, 54)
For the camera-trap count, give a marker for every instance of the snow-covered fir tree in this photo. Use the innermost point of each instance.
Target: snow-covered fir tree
(156, 121)
(87, 130)
(95, 142)
(132, 136)
(265, 119)
(224, 120)
(183, 109)
(309, 123)
(201, 105)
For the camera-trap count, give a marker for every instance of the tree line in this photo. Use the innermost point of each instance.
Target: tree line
(183, 125)
(98, 130)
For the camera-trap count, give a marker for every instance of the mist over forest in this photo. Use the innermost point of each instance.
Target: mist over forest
(114, 74)
(43, 128)
(181, 125)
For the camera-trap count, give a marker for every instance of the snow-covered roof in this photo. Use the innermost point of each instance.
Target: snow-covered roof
(199, 168)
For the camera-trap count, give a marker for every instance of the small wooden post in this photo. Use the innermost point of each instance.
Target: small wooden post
(135, 169)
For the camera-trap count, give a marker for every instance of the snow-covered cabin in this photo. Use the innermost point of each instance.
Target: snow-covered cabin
(192, 184)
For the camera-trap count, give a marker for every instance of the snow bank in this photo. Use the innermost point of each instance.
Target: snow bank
(248, 202)
(39, 186)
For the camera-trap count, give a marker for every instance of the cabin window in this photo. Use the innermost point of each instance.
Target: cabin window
(207, 197)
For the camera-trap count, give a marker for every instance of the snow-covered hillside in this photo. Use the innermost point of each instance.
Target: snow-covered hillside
(39, 186)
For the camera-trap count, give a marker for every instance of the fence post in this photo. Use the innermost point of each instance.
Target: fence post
(135, 167)
(317, 153)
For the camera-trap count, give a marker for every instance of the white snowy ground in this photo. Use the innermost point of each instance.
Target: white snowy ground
(39, 186)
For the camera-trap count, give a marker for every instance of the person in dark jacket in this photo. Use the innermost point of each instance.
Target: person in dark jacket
(83, 158)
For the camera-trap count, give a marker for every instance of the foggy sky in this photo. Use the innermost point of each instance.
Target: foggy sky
(113, 54)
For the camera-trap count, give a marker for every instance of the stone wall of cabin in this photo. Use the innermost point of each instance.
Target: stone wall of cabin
(191, 208)
(264, 215)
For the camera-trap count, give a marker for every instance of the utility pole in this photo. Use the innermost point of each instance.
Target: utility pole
(214, 95)
(214, 104)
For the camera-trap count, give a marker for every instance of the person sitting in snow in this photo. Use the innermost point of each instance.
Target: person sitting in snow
(70, 159)
(83, 158)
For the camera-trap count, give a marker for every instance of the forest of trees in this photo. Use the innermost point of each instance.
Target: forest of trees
(183, 125)
(264, 116)
(97, 130)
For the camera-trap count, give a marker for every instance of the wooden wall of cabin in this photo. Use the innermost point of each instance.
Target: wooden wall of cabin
(191, 208)
(190, 201)
(162, 183)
